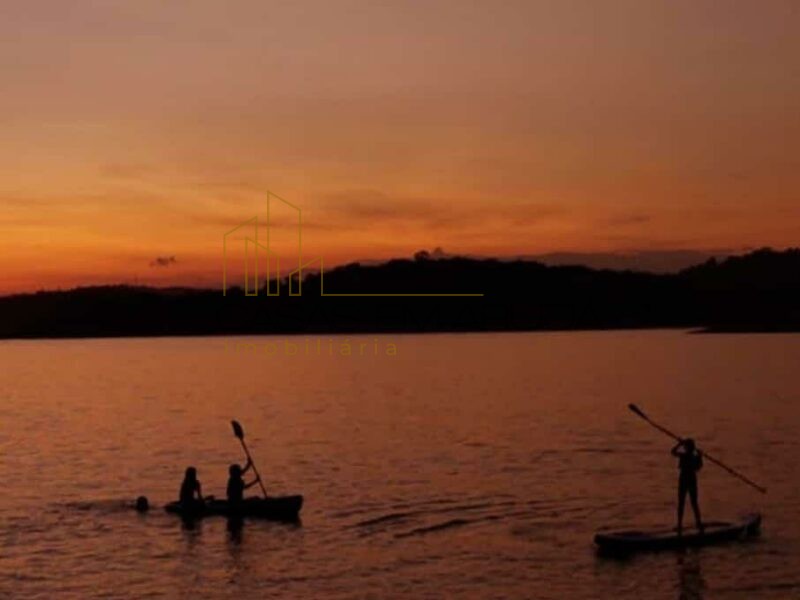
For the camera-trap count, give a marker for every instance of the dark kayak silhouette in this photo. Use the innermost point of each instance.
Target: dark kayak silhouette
(277, 508)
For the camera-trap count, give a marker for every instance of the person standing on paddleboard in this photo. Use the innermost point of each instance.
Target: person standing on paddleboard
(690, 461)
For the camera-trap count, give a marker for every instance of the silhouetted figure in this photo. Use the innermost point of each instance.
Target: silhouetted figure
(236, 484)
(191, 495)
(690, 461)
(142, 504)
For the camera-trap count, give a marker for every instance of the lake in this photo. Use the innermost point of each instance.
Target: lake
(468, 465)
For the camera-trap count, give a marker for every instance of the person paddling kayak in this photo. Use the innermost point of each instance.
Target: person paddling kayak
(690, 461)
(191, 495)
(236, 484)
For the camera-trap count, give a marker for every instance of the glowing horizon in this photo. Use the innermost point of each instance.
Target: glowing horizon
(138, 130)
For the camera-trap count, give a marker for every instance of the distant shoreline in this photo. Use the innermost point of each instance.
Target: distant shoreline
(754, 293)
(356, 333)
(362, 333)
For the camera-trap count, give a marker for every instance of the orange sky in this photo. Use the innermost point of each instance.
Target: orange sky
(136, 129)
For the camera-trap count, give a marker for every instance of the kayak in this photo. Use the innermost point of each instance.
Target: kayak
(276, 508)
(668, 539)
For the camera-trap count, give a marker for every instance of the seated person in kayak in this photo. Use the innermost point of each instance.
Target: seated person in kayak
(236, 484)
(690, 461)
(191, 495)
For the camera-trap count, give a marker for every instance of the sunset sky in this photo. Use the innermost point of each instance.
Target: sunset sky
(137, 129)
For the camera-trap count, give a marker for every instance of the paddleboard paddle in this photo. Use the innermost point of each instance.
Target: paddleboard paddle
(640, 413)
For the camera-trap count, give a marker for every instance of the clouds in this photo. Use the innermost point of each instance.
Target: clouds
(163, 261)
(356, 209)
(134, 126)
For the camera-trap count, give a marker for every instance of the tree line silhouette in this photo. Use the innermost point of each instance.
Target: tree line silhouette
(759, 291)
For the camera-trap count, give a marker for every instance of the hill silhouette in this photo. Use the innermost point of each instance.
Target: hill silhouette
(759, 291)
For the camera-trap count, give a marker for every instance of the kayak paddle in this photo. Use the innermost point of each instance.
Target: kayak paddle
(639, 412)
(239, 433)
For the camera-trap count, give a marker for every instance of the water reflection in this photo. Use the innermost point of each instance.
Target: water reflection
(442, 436)
(192, 530)
(235, 526)
(691, 584)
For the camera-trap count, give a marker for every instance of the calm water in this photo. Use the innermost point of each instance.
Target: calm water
(472, 466)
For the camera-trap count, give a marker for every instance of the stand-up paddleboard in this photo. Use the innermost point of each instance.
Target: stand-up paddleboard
(625, 542)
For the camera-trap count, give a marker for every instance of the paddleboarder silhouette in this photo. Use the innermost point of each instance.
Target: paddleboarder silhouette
(690, 461)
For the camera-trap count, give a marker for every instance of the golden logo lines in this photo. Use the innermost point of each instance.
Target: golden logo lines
(295, 277)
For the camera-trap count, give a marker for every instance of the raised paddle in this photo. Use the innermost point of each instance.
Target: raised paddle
(239, 433)
(638, 411)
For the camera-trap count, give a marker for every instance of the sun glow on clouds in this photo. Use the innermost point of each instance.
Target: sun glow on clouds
(137, 129)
